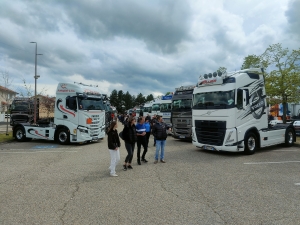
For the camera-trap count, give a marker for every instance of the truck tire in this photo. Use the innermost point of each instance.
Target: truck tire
(20, 134)
(289, 137)
(63, 136)
(250, 143)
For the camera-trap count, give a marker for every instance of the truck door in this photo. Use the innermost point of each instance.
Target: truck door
(70, 114)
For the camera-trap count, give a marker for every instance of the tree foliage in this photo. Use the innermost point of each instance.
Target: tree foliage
(6, 83)
(123, 101)
(28, 90)
(222, 69)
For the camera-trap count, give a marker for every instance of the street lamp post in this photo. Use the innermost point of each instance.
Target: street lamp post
(35, 78)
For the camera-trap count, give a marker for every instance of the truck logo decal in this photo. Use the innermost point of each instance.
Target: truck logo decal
(36, 133)
(256, 105)
(62, 109)
(65, 110)
(63, 86)
(208, 113)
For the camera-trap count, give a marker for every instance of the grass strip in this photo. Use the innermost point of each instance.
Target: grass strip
(4, 137)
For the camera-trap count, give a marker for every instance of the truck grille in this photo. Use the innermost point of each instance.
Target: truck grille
(210, 132)
(95, 126)
(182, 131)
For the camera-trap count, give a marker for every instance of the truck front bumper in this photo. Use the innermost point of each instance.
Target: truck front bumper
(218, 148)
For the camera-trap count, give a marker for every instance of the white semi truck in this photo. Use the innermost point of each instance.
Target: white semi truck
(79, 117)
(229, 113)
(166, 108)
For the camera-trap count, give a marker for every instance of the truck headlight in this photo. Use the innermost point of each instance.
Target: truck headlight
(228, 137)
(82, 130)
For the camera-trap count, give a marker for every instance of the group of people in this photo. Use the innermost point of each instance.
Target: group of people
(137, 132)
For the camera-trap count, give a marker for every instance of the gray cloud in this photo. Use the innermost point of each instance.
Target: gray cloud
(145, 46)
(162, 25)
(293, 16)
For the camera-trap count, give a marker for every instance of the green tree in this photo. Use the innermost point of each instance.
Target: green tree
(140, 99)
(114, 97)
(127, 100)
(283, 81)
(149, 98)
(222, 69)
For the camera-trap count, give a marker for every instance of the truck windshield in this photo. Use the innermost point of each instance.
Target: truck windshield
(214, 100)
(20, 106)
(165, 107)
(155, 107)
(182, 104)
(91, 104)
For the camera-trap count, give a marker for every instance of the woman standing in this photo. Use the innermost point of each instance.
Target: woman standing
(114, 144)
(129, 136)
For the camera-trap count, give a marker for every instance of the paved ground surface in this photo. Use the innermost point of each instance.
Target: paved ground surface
(46, 183)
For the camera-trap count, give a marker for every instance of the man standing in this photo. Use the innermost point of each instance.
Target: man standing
(152, 123)
(159, 131)
(141, 140)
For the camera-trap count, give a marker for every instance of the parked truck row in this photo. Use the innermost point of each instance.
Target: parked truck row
(222, 112)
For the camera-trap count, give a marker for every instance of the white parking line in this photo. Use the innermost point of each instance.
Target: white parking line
(253, 163)
(36, 152)
(297, 184)
(285, 150)
(36, 149)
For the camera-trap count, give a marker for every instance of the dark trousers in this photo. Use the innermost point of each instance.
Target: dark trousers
(141, 141)
(130, 149)
(147, 138)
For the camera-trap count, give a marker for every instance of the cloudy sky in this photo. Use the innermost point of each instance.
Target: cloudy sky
(147, 46)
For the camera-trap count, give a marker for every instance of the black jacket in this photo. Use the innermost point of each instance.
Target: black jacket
(129, 134)
(113, 139)
(159, 131)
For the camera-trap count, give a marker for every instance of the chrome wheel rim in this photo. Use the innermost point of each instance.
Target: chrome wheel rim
(290, 136)
(251, 143)
(19, 134)
(63, 136)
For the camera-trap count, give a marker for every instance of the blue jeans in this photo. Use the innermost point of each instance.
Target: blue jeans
(160, 145)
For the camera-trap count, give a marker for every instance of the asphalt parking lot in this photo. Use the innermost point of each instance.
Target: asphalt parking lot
(46, 183)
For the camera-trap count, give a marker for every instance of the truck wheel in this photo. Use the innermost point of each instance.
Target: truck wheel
(289, 137)
(63, 136)
(20, 134)
(250, 143)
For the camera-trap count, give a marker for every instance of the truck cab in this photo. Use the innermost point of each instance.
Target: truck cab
(229, 113)
(78, 117)
(181, 115)
(22, 110)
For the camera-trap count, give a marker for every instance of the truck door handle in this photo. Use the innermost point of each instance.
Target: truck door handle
(65, 117)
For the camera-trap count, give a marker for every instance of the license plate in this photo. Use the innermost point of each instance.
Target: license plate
(95, 138)
(181, 136)
(207, 147)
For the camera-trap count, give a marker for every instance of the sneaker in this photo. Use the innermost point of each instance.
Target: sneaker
(155, 161)
(124, 167)
(144, 160)
(163, 161)
(113, 175)
(129, 167)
